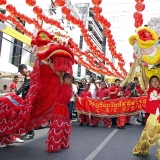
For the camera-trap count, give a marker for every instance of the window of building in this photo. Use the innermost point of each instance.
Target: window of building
(17, 51)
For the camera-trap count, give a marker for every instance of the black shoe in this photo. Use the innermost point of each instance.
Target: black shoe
(87, 125)
(29, 135)
(80, 125)
(139, 121)
(120, 127)
(128, 124)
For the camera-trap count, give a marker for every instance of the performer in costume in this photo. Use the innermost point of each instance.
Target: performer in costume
(19, 116)
(151, 132)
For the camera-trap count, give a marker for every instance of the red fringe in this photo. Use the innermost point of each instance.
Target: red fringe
(58, 135)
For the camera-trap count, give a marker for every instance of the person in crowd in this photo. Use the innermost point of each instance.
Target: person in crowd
(134, 93)
(114, 90)
(86, 93)
(153, 122)
(14, 86)
(102, 94)
(142, 92)
(81, 85)
(121, 120)
(71, 103)
(23, 90)
(5, 89)
(108, 85)
(98, 82)
(93, 86)
(80, 90)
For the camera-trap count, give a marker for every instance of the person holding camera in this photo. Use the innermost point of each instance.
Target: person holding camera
(93, 86)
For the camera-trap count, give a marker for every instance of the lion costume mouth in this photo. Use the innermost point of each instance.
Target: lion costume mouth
(60, 52)
(48, 46)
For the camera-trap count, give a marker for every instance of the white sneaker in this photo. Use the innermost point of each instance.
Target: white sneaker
(3, 145)
(17, 140)
(136, 123)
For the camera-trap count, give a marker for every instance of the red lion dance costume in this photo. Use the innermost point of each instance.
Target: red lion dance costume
(46, 99)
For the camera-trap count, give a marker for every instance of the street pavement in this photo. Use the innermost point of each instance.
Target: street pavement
(86, 143)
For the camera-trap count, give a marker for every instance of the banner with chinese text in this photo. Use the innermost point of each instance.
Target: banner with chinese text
(110, 108)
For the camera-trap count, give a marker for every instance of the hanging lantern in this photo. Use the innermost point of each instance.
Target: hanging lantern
(130, 64)
(65, 10)
(140, 7)
(97, 9)
(3, 2)
(137, 15)
(37, 10)
(3, 17)
(60, 3)
(31, 2)
(96, 2)
(10, 8)
(139, 1)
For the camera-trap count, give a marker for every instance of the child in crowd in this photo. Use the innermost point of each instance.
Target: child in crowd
(150, 134)
(102, 94)
(84, 94)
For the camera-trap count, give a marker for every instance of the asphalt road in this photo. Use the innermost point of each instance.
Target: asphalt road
(86, 143)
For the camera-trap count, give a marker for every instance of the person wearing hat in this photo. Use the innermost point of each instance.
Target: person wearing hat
(23, 90)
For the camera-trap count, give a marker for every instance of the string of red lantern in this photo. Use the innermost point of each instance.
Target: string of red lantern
(12, 11)
(84, 31)
(106, 24)
(140, 6)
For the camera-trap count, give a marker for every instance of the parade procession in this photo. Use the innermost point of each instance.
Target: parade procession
(80, 79)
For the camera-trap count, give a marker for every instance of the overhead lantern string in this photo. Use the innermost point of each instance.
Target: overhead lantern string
(140, 6)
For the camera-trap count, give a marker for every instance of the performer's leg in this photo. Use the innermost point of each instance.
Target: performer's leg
(158, 149)
(148, 138)
(107, 122)
(114, 121)
(70, 107)
(95, 121)
(87, 119)
(82, 119)
(121, 120)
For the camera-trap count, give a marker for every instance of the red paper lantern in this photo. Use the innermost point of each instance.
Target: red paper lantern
(137, 15)
(130, 64)
(60, 2)
(69, 17)
(31, 2)
(140, 7)
(97, 9)
(139, 1)
(3, 2)
(3, 17)
(37, 10)
(139, 21)
(96, 2)
(10, 8)
(65, 10)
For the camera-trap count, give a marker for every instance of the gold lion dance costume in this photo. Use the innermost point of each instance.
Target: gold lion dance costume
(147, 48)
(46, 99)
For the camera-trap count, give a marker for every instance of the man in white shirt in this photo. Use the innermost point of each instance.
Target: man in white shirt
(93, 87)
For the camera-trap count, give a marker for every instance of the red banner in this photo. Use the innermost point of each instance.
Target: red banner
(110, 108)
